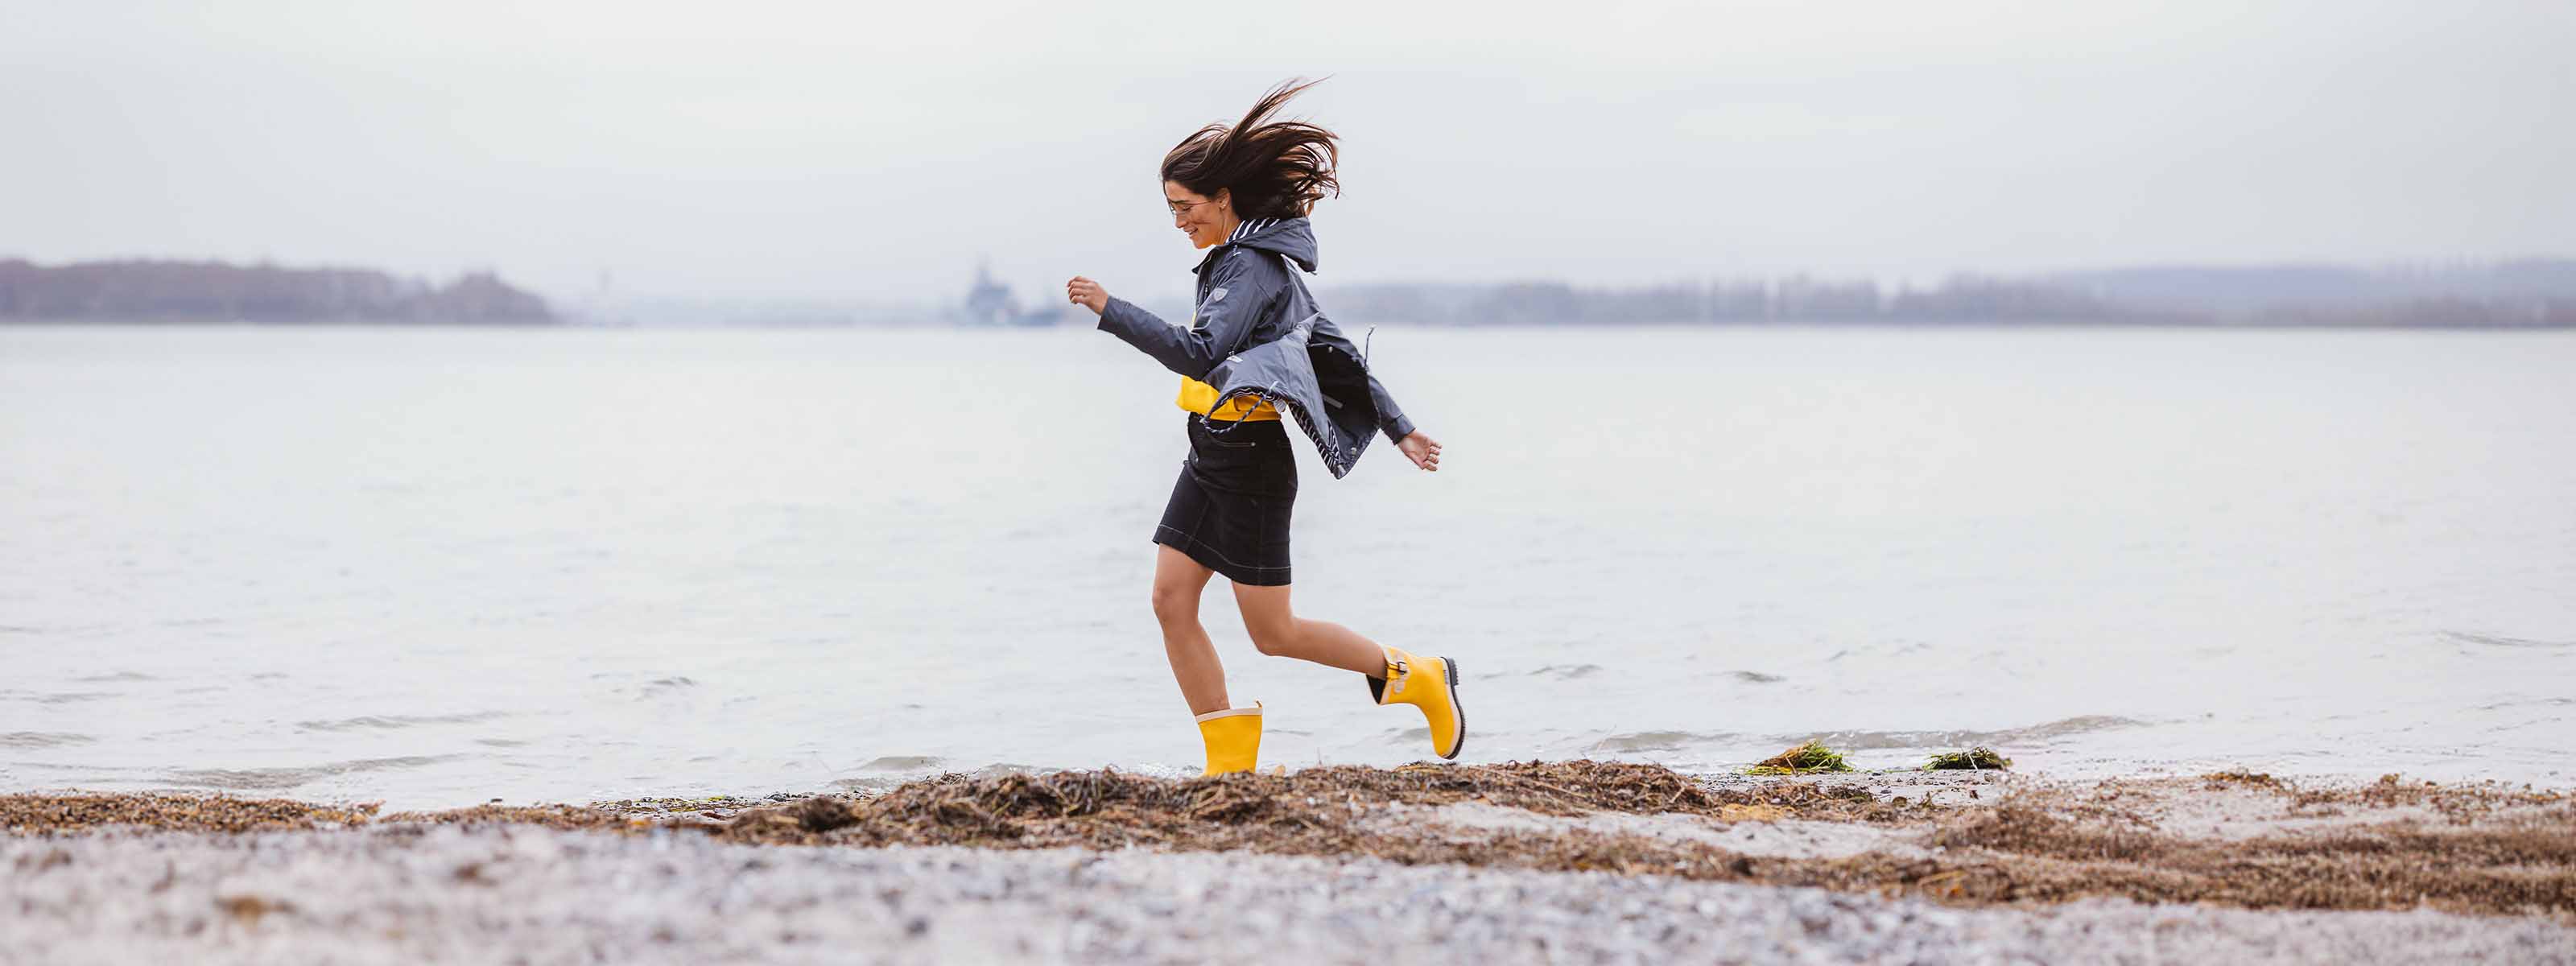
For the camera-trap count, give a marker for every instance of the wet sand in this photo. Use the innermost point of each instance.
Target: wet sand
(1574, 861)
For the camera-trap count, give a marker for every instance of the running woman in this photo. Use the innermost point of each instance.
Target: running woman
(1259, 347)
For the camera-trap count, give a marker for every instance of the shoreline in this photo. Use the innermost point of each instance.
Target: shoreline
(1104, 865)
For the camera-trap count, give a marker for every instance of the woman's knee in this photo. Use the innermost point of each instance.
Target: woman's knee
(1174, 602)
(1275, 637)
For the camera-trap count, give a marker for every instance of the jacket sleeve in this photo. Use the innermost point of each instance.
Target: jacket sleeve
(1390, 418)
(1240, 290)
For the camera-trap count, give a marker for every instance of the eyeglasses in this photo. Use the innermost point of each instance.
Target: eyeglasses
(1180, 208)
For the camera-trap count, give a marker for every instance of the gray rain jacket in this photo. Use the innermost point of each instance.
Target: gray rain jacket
(1259, 333)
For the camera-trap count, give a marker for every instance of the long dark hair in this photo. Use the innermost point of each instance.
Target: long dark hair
(1274, 169)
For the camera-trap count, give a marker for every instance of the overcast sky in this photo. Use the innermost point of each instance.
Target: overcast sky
(841, 151)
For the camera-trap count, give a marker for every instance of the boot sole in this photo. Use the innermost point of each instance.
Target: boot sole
(1455, 707)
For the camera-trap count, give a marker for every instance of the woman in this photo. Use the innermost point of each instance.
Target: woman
(1256, 348)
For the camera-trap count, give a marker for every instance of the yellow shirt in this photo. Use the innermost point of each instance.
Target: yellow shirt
(1199, 397)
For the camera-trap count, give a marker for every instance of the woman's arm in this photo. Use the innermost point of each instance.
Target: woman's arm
(1391, 420)
(1413, 443)
(1390, 417)
(1239, 293)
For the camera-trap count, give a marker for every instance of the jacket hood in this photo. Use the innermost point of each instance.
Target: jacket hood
(1293, 237)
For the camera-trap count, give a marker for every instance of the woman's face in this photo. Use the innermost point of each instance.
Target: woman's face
(1206, 220)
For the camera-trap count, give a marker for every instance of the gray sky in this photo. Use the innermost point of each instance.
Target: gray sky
(842, 151)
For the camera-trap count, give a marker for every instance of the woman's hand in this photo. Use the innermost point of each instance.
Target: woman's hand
(1422, 450)
(1088, 294)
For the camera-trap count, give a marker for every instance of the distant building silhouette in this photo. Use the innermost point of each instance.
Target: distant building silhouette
(990, 303)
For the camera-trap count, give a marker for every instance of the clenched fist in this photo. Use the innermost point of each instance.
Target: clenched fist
(1087, 293)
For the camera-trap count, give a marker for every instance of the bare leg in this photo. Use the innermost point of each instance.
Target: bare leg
(1276, 631)
(1178, 581)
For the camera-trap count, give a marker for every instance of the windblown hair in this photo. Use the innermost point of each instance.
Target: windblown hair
(1274, 169)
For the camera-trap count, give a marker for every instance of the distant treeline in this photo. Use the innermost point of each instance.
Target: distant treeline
(159, 291)
(2540, 293)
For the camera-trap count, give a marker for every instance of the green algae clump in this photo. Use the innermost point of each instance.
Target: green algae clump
(1980, 758)
(1810, 757)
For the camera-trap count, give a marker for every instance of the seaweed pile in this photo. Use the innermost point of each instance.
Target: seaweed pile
(1974, 759)
(1812, 756)
(1311, 811)
(2494, 850)
(21, 814)
(2479, 848)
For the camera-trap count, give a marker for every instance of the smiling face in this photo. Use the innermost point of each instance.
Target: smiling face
(1206, 220)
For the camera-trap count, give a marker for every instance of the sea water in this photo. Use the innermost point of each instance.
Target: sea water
(436, 566)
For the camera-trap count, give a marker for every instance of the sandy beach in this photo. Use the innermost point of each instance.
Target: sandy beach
(1559, 862)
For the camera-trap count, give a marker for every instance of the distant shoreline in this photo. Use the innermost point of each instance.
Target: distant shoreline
(182, 292)
(2533, 294)
(577, 323)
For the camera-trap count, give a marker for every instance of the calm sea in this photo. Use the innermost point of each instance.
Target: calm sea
(437, 566)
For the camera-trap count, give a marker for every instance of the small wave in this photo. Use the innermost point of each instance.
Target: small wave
(1755, 677)
(1880, 649)
(399, 720)
(662, 686)
(67, 697)
(1653, 741)
(1875, 740)
(1567, 672)
(42, 739)
(2528, 702)
(247, 779)
(2498, 640)
(118, 676)
(902, 763)
(2062, 727)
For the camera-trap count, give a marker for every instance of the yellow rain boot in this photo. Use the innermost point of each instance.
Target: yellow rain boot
(1233, 739)
(1430, 684)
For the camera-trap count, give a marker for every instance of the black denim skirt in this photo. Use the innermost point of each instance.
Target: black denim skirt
(1229, 510)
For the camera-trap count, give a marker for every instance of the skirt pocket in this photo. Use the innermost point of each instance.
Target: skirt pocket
(1250, 458)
